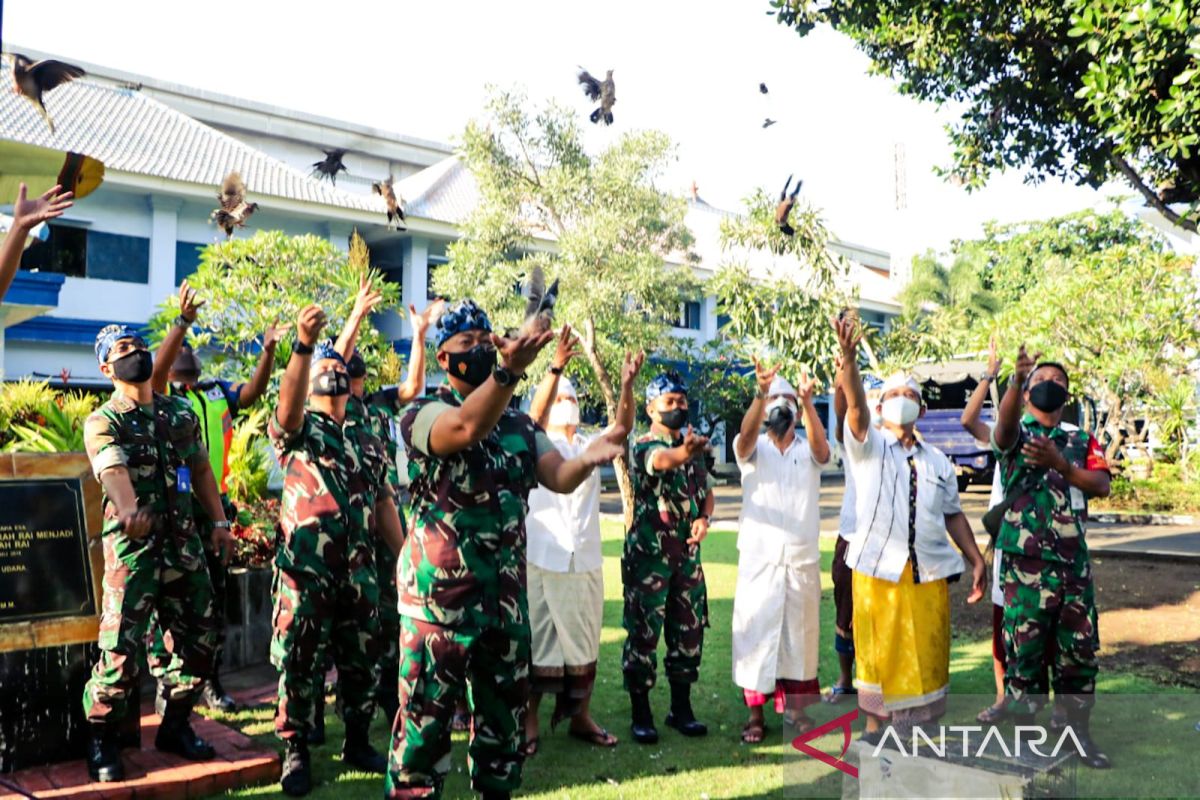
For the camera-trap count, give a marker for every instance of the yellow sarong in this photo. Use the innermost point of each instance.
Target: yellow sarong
(902, 640)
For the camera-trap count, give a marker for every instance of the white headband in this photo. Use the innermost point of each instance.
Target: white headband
(779, 385)
(901, 380)
(565, 387)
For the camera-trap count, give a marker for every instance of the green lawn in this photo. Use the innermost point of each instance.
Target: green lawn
(719, 766)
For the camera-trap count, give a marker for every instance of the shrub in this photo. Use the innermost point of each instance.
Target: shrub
(248, 466)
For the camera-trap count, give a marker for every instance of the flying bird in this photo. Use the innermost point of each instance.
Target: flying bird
(539, 301)
(330, 166)
(784, 209)
(234, 210)
(32, 79)
(762, 87)
(602, 91)
(768, 122)
(395, 205)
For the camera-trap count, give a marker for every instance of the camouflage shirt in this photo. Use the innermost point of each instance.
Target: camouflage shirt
(464, 559)
(665, 503)
(333, 474)
(152, 442)
(1047, 520)
(382, 406)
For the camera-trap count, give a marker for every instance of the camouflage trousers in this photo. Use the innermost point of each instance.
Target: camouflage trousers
(1047, 601)
(436, 664)
(165, 668)
(661, 591)
(160, 574)
(316, 616)
(389, 624)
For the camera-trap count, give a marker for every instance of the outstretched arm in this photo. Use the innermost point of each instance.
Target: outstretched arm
(563, 475)
(293, 389)
(752, 420)
(164, 359)
(1008, 419)
(249, 393)
(27, 214)
(414, 384)
(364, 303)
(970, 415)
(858, 416)
(543, 398)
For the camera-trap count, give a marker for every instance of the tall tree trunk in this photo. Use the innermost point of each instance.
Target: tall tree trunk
(621, 462)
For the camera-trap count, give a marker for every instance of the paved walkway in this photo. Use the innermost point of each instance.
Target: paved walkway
(1181, 541)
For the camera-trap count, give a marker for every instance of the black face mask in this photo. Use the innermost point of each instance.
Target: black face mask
(474, 366)
(356, 366)
(331, 383)
(780, 420)
(674, 419)
(1048, 396)
(135, 367)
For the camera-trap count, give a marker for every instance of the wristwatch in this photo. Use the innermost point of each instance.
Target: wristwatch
(302, 349)
(223, 524)
(181, 322)
(556, 370)
(505, 377)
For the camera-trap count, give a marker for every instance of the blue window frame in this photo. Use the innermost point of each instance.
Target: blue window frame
(113, 257)
(689, 315)
(187, 259)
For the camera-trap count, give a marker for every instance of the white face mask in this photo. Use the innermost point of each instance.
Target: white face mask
(564, 414)
(779, 402)
(901, 410)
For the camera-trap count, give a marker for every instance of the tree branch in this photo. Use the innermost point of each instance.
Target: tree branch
(1151, 197)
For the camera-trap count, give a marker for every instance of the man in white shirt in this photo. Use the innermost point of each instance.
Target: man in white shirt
(907, 501)
(776, 624)
(565, 565)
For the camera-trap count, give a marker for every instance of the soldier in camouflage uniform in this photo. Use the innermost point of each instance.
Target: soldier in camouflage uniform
(1049, 469)
(660, 567)
(146, 451)
(326, 592)
(464, 613)
(379, 411)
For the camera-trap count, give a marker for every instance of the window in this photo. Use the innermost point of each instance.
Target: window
(722, 321)
(81, 253)
(187, 259)
(689, 315)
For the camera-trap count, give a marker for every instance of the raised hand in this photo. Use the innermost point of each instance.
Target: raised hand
(849, 334)
(604, 449)
(29, 213)
(566, 348)
(805, 387)
(1024, 365)
(423, 321)
(367, 298)
(763, 375)
(189, 305)
(309, 324)
(273, 335)
(631, 367)
(517, 353)
(694, 444)
(993, 356)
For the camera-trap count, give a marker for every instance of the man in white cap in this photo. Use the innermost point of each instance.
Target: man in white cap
(778, 596)
(907, 501)
(565, 566)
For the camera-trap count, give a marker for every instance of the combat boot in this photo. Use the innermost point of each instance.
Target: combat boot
(296, 778)
(1091, 755)
(103, 755)
(643, 728)
(681, 717)
(216, 698)
(358, 752)
(175, 734)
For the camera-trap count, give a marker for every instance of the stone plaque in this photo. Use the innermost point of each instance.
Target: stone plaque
(44, 568)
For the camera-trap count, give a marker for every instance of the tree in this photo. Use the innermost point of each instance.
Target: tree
(251, 283)
(719, 387)
(780, 310)
(596, 223)
(1084, 90)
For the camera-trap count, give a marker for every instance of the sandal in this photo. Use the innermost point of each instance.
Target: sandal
(600, 738)
(991, 714)
(461, 722)
(753, 733)
(531, 748)
(801, 723)
(835, 694)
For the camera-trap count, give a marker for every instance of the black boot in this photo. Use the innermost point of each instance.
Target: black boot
(1092, 756)
(175, 734)
(389, 706)
(161, 693)
(680, 716)
(316, 736)
(103, 756)
(643, 728)
(296, 778)
(357, 750)
(216, 698)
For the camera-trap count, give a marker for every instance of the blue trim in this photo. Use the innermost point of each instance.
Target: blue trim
(61, 330)
(35, 289)
(402, 346)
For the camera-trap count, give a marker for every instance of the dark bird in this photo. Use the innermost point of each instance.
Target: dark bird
(762, 87)
(784, 209)
(603, 92)
(330, 166)
(395, 205)
(768, 122)
(32, 79)
(539, 301)
(234, 210)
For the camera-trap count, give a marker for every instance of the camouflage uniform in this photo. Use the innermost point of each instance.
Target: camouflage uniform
(465, 617)
(661, 572)
(325, 588)
(163, 572)
(1046, 573)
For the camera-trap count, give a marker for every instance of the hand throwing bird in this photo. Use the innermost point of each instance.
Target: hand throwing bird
(234, 210)
(539, 302)
(330, 166)
(32, 79)
(784, 210)
(395, 205)
(603, 91)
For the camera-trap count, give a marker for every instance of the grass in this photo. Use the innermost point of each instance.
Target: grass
(719, 766)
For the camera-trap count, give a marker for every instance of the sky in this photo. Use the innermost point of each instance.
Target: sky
(690, 68)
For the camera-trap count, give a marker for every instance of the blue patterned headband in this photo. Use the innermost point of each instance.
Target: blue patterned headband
(110, 335)
(665, 383)
(325, 349)
(464, 316)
